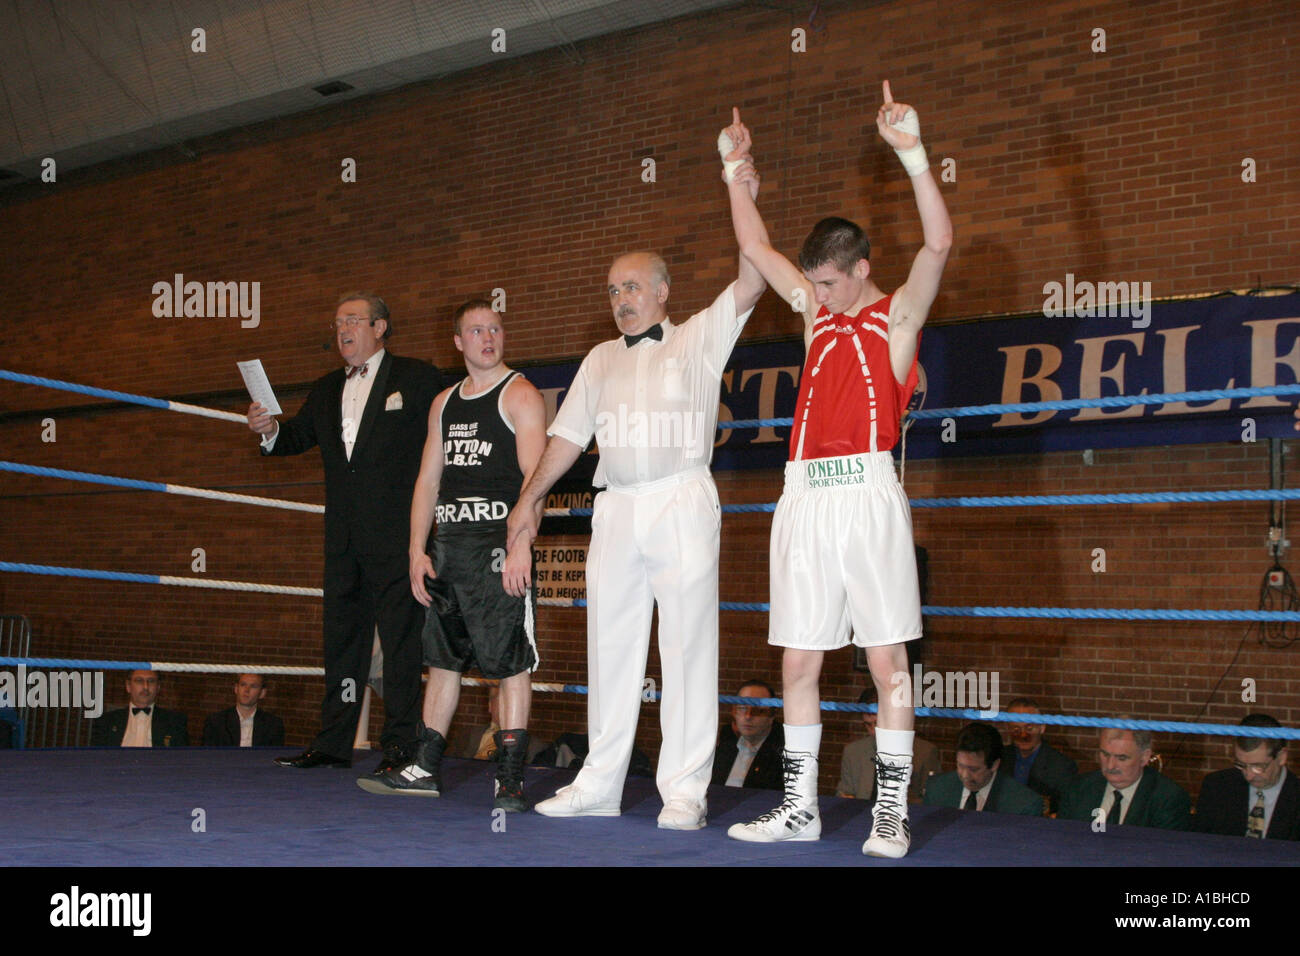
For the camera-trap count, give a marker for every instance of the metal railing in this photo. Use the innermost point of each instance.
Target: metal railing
(15, 641)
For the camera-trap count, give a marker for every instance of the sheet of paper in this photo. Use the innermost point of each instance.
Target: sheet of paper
(258, 385)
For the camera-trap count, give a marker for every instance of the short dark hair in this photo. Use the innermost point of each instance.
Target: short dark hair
(1023, 702)
(767, 688)
(378, 309)
(837, 241)
(1275, 744)
(981, 738)
(469, 306)
(868, 696)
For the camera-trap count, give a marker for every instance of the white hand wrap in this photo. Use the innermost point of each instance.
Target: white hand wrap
(914, 160)
(725, 146)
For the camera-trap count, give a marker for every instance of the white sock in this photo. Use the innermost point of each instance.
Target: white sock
(896, 742)
(806, 738)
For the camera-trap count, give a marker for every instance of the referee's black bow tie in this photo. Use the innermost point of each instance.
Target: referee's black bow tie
(141, 710)
(654, 332)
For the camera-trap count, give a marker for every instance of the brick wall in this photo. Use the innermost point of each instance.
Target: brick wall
(526, 175)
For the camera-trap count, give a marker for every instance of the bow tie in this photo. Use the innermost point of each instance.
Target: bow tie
(141, 710)
(352, 370)
(654, 332)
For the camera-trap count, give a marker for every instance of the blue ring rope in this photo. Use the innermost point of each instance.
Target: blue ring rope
(1032, 501)
(20, 568)
(988, 501)
(1066, 404)
(1088, 614)
(1162, 726)
(83, 389)
(86, 476)
(1064, 613)
(1110, 401)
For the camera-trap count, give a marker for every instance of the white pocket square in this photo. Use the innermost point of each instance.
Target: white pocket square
(394, 403)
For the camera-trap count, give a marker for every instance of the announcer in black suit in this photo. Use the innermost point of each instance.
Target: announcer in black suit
(369, 419)
(246, 724)
(748, 752)
(144, 723)
(1256, 797)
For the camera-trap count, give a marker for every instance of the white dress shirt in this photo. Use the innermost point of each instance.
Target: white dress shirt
(745, 754)
(356, 392)
(139, 728)
(246, 727)
(653, 407)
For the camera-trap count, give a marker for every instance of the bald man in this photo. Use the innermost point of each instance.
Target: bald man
(650, 399)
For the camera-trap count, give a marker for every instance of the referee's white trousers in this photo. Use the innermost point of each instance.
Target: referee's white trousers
(655, 542)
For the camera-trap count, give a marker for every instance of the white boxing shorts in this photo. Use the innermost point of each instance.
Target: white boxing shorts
(842, 559)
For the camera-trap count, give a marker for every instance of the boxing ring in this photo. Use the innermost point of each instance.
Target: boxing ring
(255, 814)
(223, 807)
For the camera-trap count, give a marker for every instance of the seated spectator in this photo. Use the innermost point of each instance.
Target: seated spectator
(976, 784)
(858, 763)
(570, 751)
(245, 724)
(749, 749)
(478, 742)
(1036, 764)
(1125, 789)
(143, 724)
(1255, 798)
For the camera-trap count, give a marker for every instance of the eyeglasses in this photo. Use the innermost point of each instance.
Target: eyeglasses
(1255, 768)
(349, 322)
(741, 711)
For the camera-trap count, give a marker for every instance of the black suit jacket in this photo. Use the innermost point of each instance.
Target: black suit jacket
(1224, 805)
(367, 498)
(1049, 774)
(764, 773)
(169, 728)
(222, 729)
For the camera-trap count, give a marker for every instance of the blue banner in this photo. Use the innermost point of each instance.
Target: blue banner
(1223, 342)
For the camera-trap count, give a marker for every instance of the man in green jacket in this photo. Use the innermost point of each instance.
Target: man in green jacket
(976, 784)
(1125, 790)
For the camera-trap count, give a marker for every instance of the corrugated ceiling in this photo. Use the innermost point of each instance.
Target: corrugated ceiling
(84, 82)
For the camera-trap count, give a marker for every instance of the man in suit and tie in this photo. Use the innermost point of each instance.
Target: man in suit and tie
(1124, 789)
(1256, 797)
(1038, 765)
(246, 724)
(858, 762)
(370, 419)
(749, 749)
(976, 784)
(143, 724)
